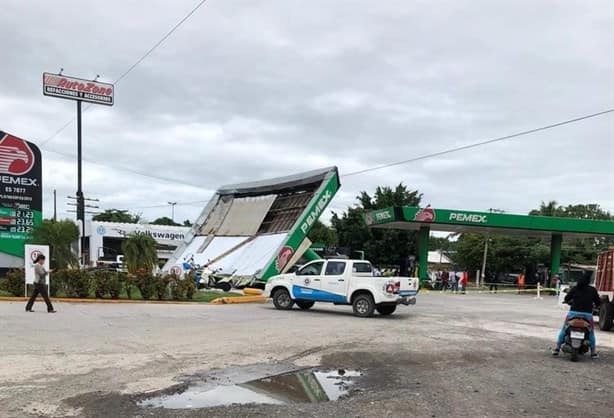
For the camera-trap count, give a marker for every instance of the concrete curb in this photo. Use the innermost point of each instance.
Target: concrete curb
(240, 299)
(112, 301)
(252, 291)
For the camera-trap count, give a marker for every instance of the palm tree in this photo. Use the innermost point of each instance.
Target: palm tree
(59, 236)
(551, 208)
(140, 252)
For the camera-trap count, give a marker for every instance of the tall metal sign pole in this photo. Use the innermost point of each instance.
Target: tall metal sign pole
(91, 91)
(80, 200)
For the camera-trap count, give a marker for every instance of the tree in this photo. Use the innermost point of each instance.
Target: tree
(140, 252)
(547, 209)
(323, 234)
(117, 215)
(506, 253)
(187, 223)
(580, 211)
(580, 251)
(441, 243)
(59, 236)
(513, 253)
(165, 220)
(382, 246)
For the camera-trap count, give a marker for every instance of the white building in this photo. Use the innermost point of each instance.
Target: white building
(104, 239)
(438, 257)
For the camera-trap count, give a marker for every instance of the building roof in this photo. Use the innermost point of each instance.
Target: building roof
(275, 185)
(438, 257)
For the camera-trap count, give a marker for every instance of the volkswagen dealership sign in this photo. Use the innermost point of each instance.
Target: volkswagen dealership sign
(78, 89)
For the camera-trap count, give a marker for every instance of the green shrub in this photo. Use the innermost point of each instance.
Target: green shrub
(161, 285)
(114, 284)
(129, 285)
(182, 287)
(14, 282)
(99, 283)
(55, 285)
(174, 287)
(76, 283)
(145, 282)
(107, 282)
(190, 285)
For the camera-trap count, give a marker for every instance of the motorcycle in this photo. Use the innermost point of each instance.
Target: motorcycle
(577, 331)
(209, 279)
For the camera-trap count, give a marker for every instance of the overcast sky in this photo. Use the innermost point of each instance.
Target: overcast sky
(247, 90)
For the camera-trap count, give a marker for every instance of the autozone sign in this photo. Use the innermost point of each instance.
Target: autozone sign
(77, 89)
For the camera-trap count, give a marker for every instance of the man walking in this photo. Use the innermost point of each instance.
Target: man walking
(40, 276)
(445, 276)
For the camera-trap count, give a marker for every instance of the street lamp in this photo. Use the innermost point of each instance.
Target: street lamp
(172, 210)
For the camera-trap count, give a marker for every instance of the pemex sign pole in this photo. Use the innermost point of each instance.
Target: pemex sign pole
(81, 90)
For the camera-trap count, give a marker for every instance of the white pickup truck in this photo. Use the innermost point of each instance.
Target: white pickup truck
(342, 282)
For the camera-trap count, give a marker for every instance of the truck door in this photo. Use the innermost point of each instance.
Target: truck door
(335, 282)
(307, 282)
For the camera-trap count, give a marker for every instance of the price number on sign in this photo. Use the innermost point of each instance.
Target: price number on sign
(24, 214)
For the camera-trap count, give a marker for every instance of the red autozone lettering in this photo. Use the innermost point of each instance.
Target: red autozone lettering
(465, 217)
(84, 87)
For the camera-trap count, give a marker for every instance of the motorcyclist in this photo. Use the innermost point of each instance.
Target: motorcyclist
(582, 298)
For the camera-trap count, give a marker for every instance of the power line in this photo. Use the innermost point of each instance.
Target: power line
(133, 66)
(176, 203)
(130, 170)
(464, 147)
(157, 44)
(478, 144)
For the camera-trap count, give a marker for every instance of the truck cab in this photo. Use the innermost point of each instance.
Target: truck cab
(341, 282)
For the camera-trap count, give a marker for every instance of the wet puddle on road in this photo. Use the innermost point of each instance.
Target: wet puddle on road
(313, 385)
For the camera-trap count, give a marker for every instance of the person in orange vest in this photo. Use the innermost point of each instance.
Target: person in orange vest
(520, 283)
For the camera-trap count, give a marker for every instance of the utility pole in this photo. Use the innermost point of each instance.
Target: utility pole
(81, 211)
(80, 201)
(483, 274)
(487, 238)
(172, 210)
(55, 205)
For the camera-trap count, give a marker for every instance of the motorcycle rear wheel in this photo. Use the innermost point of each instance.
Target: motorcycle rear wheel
(574, 355)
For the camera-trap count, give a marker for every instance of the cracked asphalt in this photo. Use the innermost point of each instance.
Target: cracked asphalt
(449, 355)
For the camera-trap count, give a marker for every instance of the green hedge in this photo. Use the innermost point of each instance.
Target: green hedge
(108, 284)
(13, 282)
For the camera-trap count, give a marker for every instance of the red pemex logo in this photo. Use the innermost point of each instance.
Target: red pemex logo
(425, 215)
(16, 157)
(285, 254)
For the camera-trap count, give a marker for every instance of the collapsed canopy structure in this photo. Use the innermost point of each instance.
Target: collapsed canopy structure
(257, 229)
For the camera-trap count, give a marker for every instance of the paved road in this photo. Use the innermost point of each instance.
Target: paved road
(461, 355)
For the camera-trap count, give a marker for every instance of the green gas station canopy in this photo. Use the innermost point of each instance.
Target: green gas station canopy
(453, 220)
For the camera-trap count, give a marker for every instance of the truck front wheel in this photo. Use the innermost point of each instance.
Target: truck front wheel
(363, 305)
(386, 309)
(282, 299)
(606, 316)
